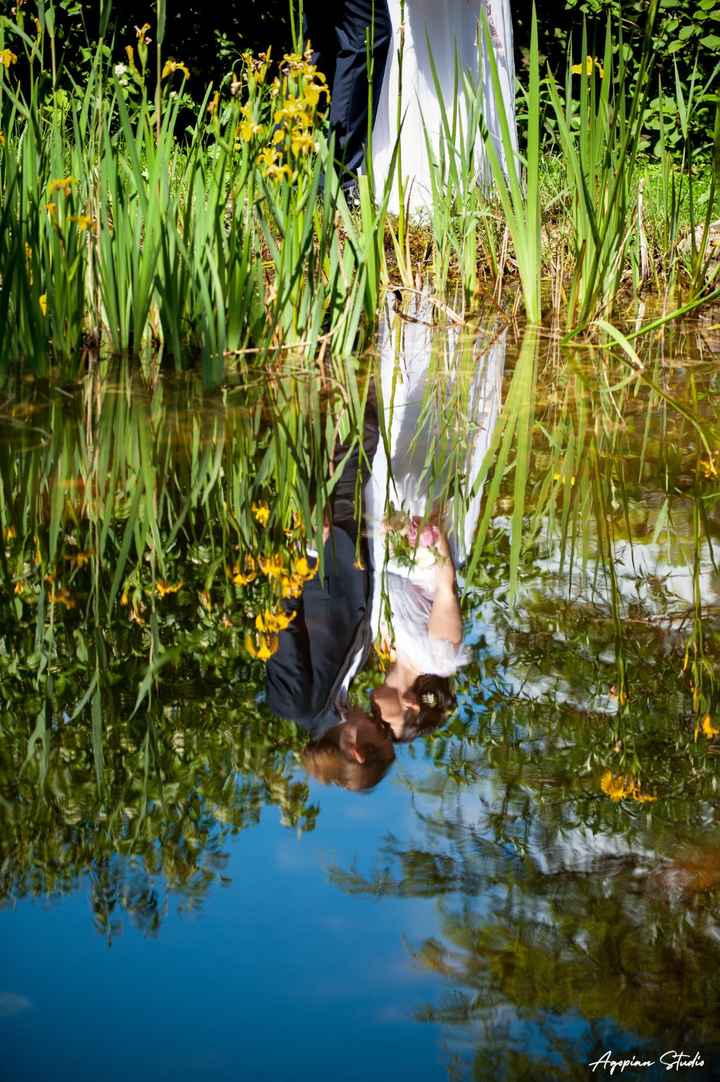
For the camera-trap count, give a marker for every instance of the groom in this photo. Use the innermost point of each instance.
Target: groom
(343, 33)
(328, 642)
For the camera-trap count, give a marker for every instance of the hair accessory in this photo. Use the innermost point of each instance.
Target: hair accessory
(429, 699)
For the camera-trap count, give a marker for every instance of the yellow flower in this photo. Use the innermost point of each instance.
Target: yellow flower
(268, 157)
(79, 559)
(242, 578)
(708, 728)
(171, 66)
(261, 511)
(619, 787)
(63, 184)
(162, 588)
(707, 465)
(587, 67)
(302, 569)
(272, 566)
(302, 143)
(2, 138)
(213, 104)
(51, 208)
(42, 301)
(9, 533)
(261, 646)
(82, 221)
(291, 586)
(141, 32)
(277, 172)
(7, 58)
(62, 596)
(247, 129)
(272, 622)
(385, 653)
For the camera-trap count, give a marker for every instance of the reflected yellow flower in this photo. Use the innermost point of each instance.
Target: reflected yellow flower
(621, 786)
(272, 566)
(273, 621)
(62, 596)
(291, 586)
(42, 301)
(708, 466)
(163, 588)
(708, 728)
(261, 512)
(9, 533)
(79, 559)
(261, 646)
(242, 578)
(385, 654)
(302, 569)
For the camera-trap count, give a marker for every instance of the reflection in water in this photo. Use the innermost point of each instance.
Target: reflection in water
(440, 400)
(327, 640)
(551, 850)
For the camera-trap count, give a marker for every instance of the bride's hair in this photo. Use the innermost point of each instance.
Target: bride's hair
(437, 700)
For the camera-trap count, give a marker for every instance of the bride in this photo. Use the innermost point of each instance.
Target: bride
(438, 61)
(440, 400)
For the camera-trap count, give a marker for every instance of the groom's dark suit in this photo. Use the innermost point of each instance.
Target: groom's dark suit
(332, 622)
(305, 676)
(338, 31)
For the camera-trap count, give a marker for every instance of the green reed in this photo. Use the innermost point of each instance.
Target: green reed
(121, 233)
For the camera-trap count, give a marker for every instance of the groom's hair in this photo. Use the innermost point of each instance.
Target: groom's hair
(437, 700)
(326, 763)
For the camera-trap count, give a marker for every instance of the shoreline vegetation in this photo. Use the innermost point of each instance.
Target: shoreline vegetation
(188, 310)
(135, 220)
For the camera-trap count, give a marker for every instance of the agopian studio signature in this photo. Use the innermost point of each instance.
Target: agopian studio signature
(671, 1061)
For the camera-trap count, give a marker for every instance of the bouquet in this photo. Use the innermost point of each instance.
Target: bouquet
(412, 542)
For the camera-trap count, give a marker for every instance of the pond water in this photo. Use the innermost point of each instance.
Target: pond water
(530, 886)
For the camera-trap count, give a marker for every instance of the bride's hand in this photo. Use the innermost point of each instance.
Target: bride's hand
(443, 546)
(445, 566)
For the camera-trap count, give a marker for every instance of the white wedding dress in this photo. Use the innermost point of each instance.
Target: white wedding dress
(409, 101)
(439, 401)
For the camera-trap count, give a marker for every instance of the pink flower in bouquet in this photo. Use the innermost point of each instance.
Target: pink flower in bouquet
(429, 536)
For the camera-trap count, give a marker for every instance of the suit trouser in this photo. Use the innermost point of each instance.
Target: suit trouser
(341, 34)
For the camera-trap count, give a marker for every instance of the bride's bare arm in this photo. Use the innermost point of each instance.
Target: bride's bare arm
(445, 619)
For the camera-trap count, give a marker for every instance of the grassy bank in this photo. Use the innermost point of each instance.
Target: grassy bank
(136, 219)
